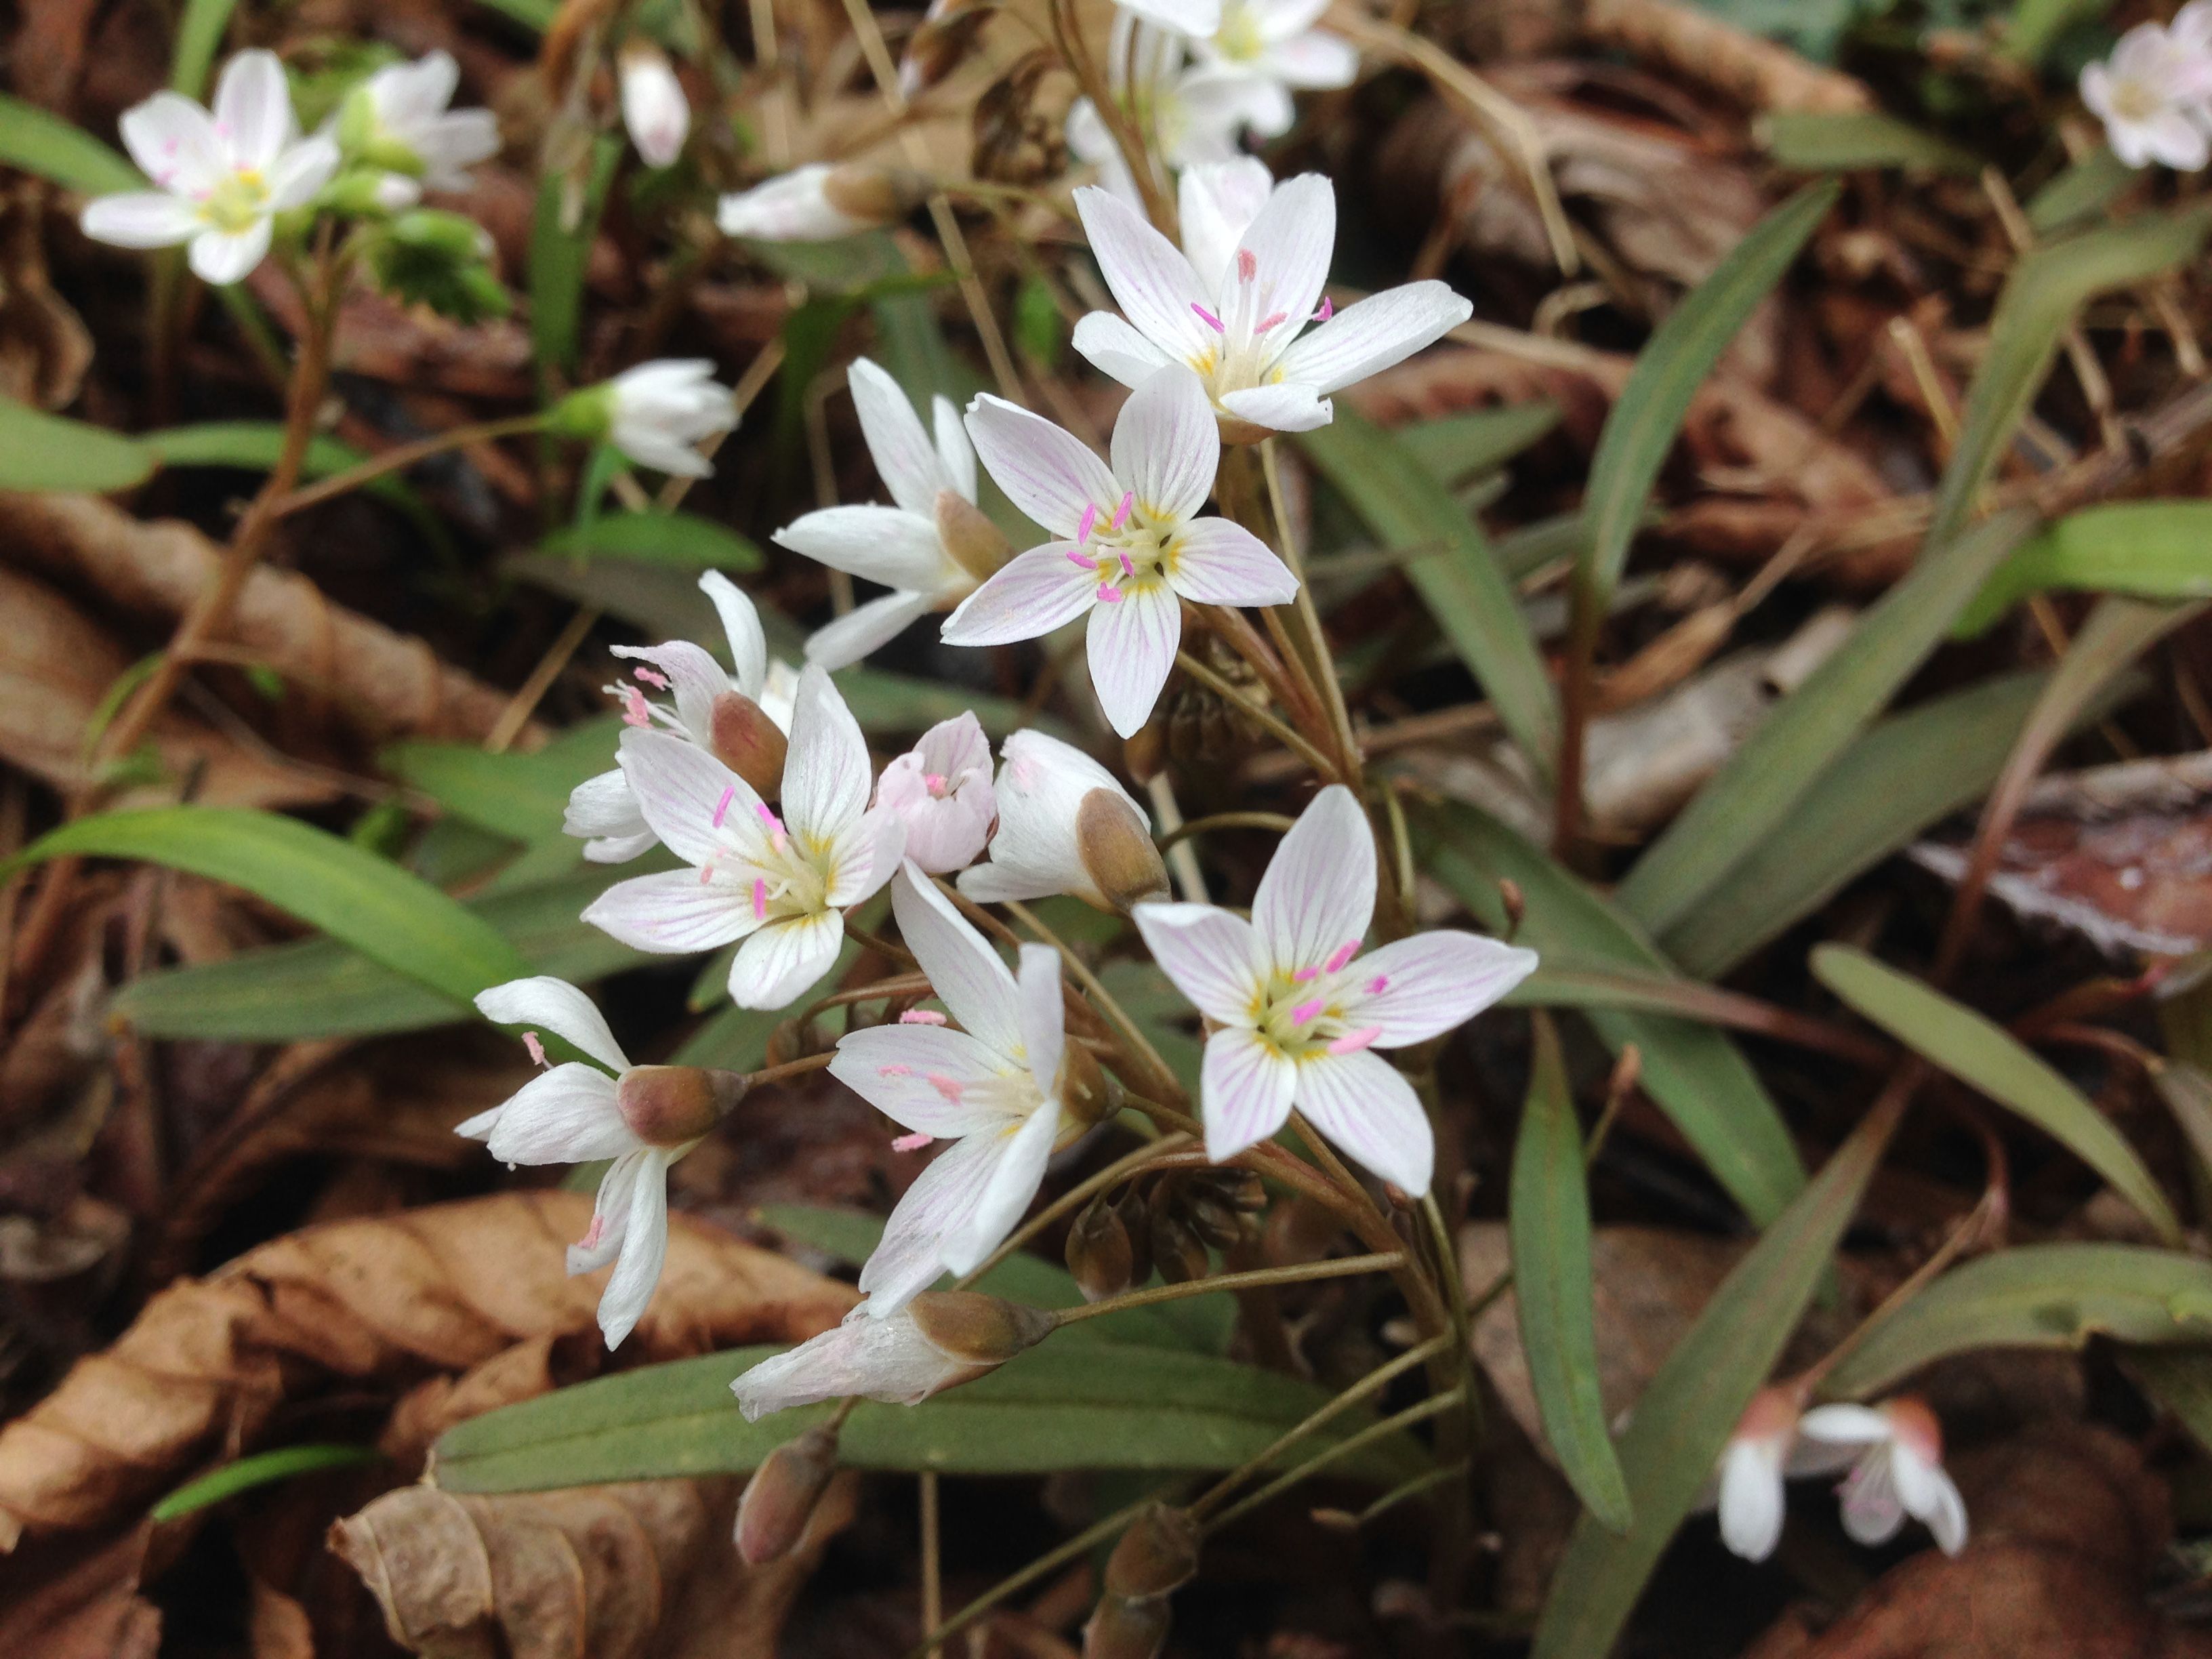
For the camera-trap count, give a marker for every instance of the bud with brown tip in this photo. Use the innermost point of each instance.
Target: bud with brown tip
(780, 1497)
(1156, 1557)
(978, 1328)
(1086, 1094)
(674, 1105)
(940, 1341)
(749, 743)
(1117, 851)
(1099, 1252)
(977, 545)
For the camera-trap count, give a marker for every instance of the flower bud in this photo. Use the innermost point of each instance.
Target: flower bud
(1087, 1095)
(979, 1330)
(1117, 851)
(653, 106)
(793, 1039)
(1212, 1219)
(1515, 905)
(979, 546)
(1126, 1630)
(674, 1105)
(1099, 1252)
(780, 1497)
(1177, 1251)
(749, 743)
(1156, 1557)
(874, 195)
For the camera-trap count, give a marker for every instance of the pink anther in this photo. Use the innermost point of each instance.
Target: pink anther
(921, 1017)
(912, 1143)
(1305, 976)
(537, 1048)
(1352, 1042)
(1308, 1009)
(651, 677)
(1248, 265)
(1080, 561)
(934, 783)
(769, 821)
(1121, 512)
(1089, 524)
(1344, 953)
(635, 712)
(1208, 318)
(1128, 568)
(895, 1069)
(1378, 985)
(722, 807)
(1327, 310)
(949, 1087)
(1108, 595)
(594, 1233)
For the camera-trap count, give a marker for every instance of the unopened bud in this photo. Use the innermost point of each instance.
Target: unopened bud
(979, 546)
(979, 1330)
(793, 1039)
(1121, 1629)
(1177, 1251)
(874, 195)
(1117, 851)
(1100, 1254)
(780, 1497)
(674, 1105)
(1087, 1096)
(1516, 906)
(1212, 1220)
(1156, 1557)
(1144, 754)
(749, 743)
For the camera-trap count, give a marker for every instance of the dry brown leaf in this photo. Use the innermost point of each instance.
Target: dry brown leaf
(389, 682)
(1691, 42)
(77, 1599)
(594, 1572)
(208, 1362)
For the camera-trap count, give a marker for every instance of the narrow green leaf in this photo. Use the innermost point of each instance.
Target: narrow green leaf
(1697, 1077)
(523, 797)
(41, 142)
(2148, 549)
(262, 1469)
(2040, 298)
(2187, 1091)
(377, 907)
(1408, 508)
(1985, 1056)
(558, 254)
(199, 37)
(1458, 447)
(1549, 1219)
(1679, 1424)
(1824, 141)
(2180, 1381)
(2082, 192)
(682, 539)
(39, 451)
(1753, 794)
(1672, 364)
(536, 16)
(2034, 1296)
(1055, 1408)
(2036, 25)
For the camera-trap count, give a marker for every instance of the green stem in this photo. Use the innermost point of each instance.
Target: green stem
(1298, 1273)
(1418, 1413)
(405, 455)
(1275, 820)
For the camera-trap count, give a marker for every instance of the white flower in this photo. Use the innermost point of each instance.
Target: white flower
(1297, 1011)
(707, 707)
(653, 106)
(807, 204)
(2153, 92)
(781, 885)
(1242, 329)
(1899, 1471)
(658, 411)
(941, 790)
(1276, 41)
(398, 121)
(1128, 547)
(910, 547)
(1187, 116)
(643, 1117)
(1037, 851)
(223, 177)
(1749, 1479)
(939, 1338)
(997, 1088)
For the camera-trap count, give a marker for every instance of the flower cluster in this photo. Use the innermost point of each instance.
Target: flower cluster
(2154, 92)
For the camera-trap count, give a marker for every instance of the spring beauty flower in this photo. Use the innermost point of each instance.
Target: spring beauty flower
(654, 414)
(733, 716)
(1899, 1471)
(396, 124)
(820, 201)
(1189, 115)
(1298, 1012)
(1004, 1087)
(1127, 547)
(1243, 328)
(1047, 792)
(2155, 93)
(643, 1117)
(654, 108)
(223, 177)
(941, 791)
(1748, 1483)
(1275, 41)
(781, 883)
(933, 549)
(937, 1341)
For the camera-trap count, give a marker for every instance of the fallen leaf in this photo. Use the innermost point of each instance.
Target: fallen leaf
(78, 1599)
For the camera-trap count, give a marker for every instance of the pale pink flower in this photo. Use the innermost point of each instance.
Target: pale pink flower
(793, 207)
(781, 883)
(653, 106)
(1753, 1466)
(1128, 544)
(222, 176)
(1899, 1472)
(1189, 116)
(941, 790)
(1245, 329)
(1276, 41)
(398, 121)
(658, 411)
(934, 1342)
(1036, 852)
(2154, 92)
(1299, 1013)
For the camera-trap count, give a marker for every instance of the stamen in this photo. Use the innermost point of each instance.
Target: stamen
(921, 1017)
(1121, 512)
(537, 1048)
(1308, 1009)
(635, 712)
(949, 1087)
(722, 807)
(1352, 1042)
(912, 1143)
(1080, 561)
(1344, 953)
(772, 823)
(760, 899)
(1090, 523)
(1209, 318)
(594, 1233)
(1248, 265)
(1327, 310)
(1108, 595)
(1273, 320)
(1305, 976)
(1128, 568)
(651, 677)
(1378, 985)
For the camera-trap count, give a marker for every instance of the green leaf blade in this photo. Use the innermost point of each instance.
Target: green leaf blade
(39, 451)
(41, 142)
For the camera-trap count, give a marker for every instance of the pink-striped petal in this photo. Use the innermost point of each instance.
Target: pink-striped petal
(1043, 1015)
(1422, 986)
(1167, 445)
(141, 218)
(1370, 336)
(1371, 1114)
(564, 1115)
(252, 109)
(906, 460)
(910, 1255)
(1291, 240)
(1116, 348)
(930, 1079)
(964, 970)
(866, 628)
(1016, 1174)
(683, 791)
(672, 914)
(1131, 647)
(1152, 282)
(1246, 1088)
(1319, 889)
(826, 780)
(1048, 473)
(175, 144)
(1219, 561)
(1284, 407)
(785, 958)
(741, 624)
(644, 1250)
(1036, 592)
(561, 1008)
(1211, 954)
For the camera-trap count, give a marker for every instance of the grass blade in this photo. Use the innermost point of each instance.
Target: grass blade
(39, 451)
(2146, 550)
(262, 1469)
(1843, 140)
(41, 142)
(200, 36)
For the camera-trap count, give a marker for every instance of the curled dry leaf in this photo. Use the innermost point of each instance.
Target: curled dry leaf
(209, 1362)
(594, 1572)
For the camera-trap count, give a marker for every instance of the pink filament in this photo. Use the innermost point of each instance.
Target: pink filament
(921, 1017)
(1208, 318)
(594, 1233)
(760, 899)
(722, 807)
(1248, 265)
(1345, 952)
(1307, 1010)
(651, 677)
(537, 1048)
(1121, 512)
(949, 1087)
(1090, 523)
(1327, 310)
(1108, 595)
(912, 1143)
(633, 709)
(1352, 1042)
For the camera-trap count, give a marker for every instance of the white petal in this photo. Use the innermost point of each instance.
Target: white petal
(1872, 1510)
(561, 1008)
(864, 856)
(965, 972)
(1751, 1499)
(929, 1078)
(1167, 445)
(1040, 791)
(252, 109)
(1031, 595)
(1372, 334)
(1422, 986)
(886, 545)
(1217, 105)
(1843, 1425)
(672, 914)
(1049, 474)
(1132, 649)
(141, 218)
(175, 144)
(943, 833)
(695, 680)
(741, 623)
(1246, 1088)
(1153, 282)
(1043, 1019)
(1217, 202)
(609, 1215)
(406, 94)
(910, 1256)
(1015, 1176)
(1315, 61)
(655, 112)
(1290, 242)
(603, 814)
(1318, 893)
(644, 1249)
(1288, 406)
(1933, 1499)
(785, 958)
(1116, 348)
(825, 775)
(1219, 561)
(297, 176)
(865, 628)
(954, 453)
(1211, 954)
(564, 1115)
(219, 260)
(906, 460)
(1194, 19)
(1371, 1114)
(681, 789)
(879, 1358)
